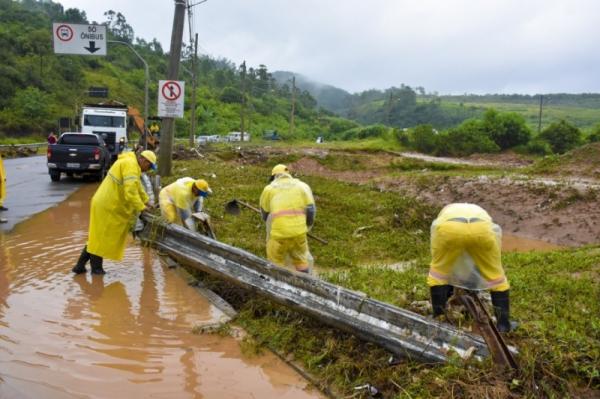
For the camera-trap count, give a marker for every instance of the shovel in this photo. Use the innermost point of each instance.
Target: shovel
(233, 208)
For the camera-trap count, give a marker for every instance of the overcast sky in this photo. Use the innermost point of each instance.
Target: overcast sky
(449, 46)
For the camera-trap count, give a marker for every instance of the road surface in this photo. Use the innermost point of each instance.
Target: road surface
(30, 191)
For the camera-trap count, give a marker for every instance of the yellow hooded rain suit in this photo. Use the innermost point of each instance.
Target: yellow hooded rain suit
(286, 200)
(461, 228)
(178, 202)
(114, 208)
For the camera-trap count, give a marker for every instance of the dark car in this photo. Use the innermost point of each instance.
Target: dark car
(78, 154)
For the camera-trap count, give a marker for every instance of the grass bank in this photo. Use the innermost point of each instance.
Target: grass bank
(554, 295)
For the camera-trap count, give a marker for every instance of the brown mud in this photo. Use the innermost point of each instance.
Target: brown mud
(556, 212)
(123, 335)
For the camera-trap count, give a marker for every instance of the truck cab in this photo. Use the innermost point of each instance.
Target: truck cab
(108, 122)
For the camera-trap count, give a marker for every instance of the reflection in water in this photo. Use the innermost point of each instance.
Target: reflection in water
(122, 335)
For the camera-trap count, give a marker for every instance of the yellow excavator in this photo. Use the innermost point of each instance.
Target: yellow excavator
(146, 136)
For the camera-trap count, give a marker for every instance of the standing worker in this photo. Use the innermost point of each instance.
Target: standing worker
(113, 210)
(465, 251)
(288, 207)
(2, 188)
(180, 199)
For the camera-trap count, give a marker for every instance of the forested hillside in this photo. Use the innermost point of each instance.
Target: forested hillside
(407, 106)
(38, 86)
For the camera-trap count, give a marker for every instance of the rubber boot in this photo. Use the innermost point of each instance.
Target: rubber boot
(96, 262)
(83, 259)
(439, 297)
(500, 300)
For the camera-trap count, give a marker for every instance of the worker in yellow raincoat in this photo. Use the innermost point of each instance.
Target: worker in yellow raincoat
(465, 252)
(180, 199)
(2, 185)
(114, 208)
(288, 207)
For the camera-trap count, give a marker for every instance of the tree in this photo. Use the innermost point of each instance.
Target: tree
(562, 136)
(468, 138)
(506, 129)
(423, 139)
(118, 26)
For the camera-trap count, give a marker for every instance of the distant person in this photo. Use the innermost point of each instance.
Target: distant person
(179, 200)
(52, 139)
(2, 186)
(155, 129)
(465, 252)
(114, 206)
(288, 207)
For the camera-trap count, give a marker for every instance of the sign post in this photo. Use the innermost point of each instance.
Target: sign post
(79, 39)
(170, 98)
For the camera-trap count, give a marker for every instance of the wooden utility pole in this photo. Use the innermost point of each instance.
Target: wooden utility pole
(293, 106)
(540, 117)
(243, 107)
(166, 138)
(194, 86)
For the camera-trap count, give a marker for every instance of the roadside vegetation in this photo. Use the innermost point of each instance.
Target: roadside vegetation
(379, 244)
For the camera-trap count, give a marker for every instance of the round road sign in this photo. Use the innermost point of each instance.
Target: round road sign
(171, 90)
(64, 33)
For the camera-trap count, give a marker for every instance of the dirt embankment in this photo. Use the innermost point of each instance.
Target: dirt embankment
(563, 212)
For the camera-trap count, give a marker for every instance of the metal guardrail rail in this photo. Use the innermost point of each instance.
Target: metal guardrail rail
(400, 331)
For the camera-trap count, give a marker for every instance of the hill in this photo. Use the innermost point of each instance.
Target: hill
(38, 86)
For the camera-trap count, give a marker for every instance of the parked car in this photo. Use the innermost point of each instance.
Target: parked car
(237, 136)
(78, 154)
(202, 140)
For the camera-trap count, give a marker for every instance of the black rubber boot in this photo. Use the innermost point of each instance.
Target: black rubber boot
(83, 259)
(500, 300)
(439, 297)
(96, 262)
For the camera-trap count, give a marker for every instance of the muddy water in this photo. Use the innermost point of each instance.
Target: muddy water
(511, 243)
(123, 335)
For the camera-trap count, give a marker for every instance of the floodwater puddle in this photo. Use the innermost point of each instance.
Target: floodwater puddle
(512, 243)
(123, 335)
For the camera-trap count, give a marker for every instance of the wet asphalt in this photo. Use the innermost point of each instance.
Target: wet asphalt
(29, 189)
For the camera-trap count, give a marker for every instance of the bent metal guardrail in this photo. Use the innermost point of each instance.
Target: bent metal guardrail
(400, 331)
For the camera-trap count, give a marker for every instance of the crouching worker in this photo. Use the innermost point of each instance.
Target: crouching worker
(179, 200)
(288, 207)
(115, 206)
(465, 252)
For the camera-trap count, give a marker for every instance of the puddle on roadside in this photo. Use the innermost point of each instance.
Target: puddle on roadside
(512, 243)
(124, 335)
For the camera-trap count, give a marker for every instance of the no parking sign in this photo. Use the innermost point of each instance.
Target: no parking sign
(170, 98)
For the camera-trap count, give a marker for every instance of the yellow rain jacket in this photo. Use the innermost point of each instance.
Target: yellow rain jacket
(466, 229)
(114, 207)
(2, 182)
(177, 202)
(286, 199)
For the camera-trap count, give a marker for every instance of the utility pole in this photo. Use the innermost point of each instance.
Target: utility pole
(243, 108)
(194, 86)
(540, 118)
(293, 106)
(166, 145)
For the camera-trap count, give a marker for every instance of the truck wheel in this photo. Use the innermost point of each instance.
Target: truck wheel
(55, 175)
(101, 174)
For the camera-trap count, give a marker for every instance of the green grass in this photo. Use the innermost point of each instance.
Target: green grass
(554, 295)
(7, 140)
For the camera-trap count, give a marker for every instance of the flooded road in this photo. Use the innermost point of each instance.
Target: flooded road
(29, 189)
(123, 335)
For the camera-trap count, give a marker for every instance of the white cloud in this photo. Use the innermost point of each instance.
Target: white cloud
(444, 45)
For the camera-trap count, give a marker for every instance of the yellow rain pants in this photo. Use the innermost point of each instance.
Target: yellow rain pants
(115, 205)
(177, 201)
(2, 182)
(461, 228)
(285, 200)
